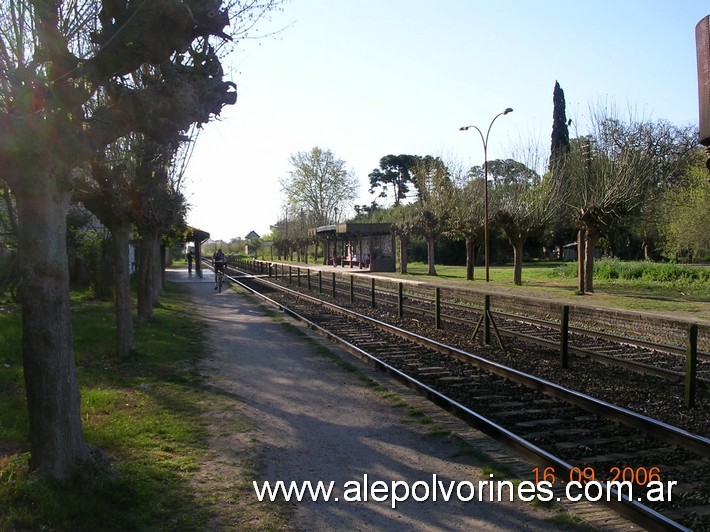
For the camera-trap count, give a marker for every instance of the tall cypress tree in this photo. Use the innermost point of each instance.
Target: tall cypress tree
(560, 133)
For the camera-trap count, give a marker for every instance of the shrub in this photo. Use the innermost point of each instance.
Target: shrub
(615, 269)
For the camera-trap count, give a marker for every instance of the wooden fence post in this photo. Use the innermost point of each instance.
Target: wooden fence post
(437, 307)
(400, 300)
(352, 289)
(564, 337)
(487, 320)
(373, 293)
(691, 365)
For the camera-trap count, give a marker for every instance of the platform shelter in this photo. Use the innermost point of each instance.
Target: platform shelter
(195, 238)
(361, 245)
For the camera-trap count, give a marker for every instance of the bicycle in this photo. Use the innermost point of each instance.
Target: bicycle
(219, 267)
(220, 280)
(219, 277)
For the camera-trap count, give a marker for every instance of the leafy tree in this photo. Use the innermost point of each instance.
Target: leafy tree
(88, 249)
(686, 218)
(319, 185)
(157, 206)
(396, 171)
(434, 189)
(674, 153)
(9, 270)
(364, 213)
(106, 191)
(521, 205)
(466, 213)
(405, 221)
(282, 241)
(299, 224)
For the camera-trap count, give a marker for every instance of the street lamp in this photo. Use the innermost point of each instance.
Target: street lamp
(485, 178)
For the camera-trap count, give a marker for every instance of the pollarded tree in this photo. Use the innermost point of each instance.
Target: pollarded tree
(521, 205)
(106, 193)
(604, 178)
(466, 211)
(404, 219)
(282, 241)
(157, 206)
(297, 228)
(434, 190)
(55, 57)
(319, 185)
(396, 171)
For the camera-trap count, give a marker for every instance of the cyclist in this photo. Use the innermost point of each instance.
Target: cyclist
(219, 261)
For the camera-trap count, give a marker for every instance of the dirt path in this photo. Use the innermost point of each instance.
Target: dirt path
(288, 412)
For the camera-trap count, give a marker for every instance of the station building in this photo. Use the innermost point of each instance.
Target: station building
(361, 245)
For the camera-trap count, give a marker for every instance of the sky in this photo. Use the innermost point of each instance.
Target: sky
(368, 78)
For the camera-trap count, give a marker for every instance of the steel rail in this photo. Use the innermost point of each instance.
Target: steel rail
(625, 507)
(688, 440)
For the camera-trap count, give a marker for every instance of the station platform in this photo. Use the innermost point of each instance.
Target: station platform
(308, 419)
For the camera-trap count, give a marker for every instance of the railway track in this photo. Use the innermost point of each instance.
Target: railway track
(571, 436)
(644, 356)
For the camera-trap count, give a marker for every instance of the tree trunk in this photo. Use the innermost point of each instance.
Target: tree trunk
(58, 449)
(145, 271)
(590, 248)
(125, 339)
(163, 263)
(403, 258)
(580, 260)
(103, 278)
(470, 258)
(430, 248)
(517, 244)
(157, 267)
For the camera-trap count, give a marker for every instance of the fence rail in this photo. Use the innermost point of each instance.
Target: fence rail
(677, 335)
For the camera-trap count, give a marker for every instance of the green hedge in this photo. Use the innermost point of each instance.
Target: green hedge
(612, 269)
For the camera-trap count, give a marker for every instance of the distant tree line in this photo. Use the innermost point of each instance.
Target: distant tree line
(633, 187)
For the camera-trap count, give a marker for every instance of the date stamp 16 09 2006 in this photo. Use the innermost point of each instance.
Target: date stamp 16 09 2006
(642, 484)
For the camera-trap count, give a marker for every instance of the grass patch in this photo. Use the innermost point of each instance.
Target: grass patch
(395, 399)
(645, 286)
(145, 412)
(498, 471)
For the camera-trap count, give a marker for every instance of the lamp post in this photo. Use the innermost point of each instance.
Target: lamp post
(485, 181)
